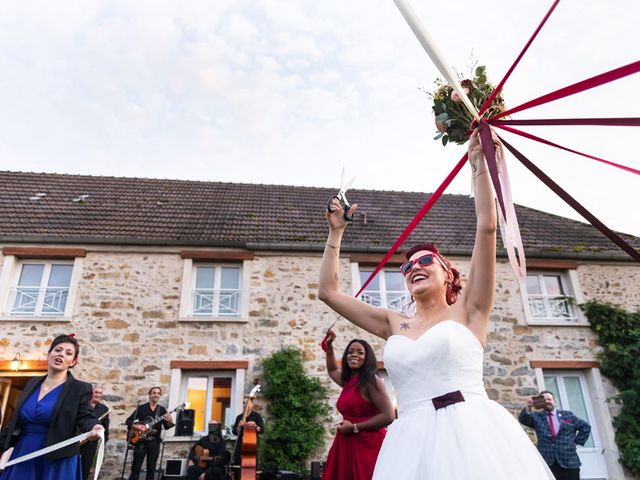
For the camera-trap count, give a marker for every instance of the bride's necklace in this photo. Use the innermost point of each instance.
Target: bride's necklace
(424, 326)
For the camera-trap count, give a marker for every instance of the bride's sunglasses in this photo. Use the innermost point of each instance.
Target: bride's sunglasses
(424, 260)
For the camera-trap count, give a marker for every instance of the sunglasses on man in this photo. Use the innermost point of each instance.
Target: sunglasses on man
(424, 261)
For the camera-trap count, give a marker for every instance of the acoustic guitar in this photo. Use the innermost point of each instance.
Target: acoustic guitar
(143, 431)
(202, 456)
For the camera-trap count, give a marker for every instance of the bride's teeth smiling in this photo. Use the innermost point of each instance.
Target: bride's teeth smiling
(416, 278)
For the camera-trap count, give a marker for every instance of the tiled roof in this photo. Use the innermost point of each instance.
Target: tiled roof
(149, 211)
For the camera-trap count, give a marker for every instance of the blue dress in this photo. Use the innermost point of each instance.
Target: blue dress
(35, 418)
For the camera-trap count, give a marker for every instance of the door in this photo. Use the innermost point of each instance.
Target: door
(5, 388)
(571, 392)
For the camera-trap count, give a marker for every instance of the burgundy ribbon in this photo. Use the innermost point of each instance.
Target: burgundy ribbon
(490, 155)
(611, 122)
(498, 89)
(447, 399)
(614, 237)
(587, 84)
(433, 198)
(547, 142)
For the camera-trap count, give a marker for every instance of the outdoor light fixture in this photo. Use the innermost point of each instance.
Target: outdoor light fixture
(16, 363)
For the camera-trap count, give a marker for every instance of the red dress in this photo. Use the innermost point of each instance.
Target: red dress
(353, 456)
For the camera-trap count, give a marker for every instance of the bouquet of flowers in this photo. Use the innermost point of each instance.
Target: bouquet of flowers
(453, 120)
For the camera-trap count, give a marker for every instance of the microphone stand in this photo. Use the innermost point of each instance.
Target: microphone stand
(126, 450)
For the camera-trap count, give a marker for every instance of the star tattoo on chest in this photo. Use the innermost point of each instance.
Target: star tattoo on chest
(404, 326)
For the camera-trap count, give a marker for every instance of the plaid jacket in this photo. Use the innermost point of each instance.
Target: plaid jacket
(572, 431)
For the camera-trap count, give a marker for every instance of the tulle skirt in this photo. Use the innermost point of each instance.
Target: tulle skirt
(472, 440)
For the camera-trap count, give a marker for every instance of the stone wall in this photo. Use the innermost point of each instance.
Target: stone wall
(126, 317)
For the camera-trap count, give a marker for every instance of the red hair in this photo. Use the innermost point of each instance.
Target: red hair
(453, 286)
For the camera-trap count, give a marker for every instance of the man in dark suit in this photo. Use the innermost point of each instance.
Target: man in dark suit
(88, 450)
(558, 432)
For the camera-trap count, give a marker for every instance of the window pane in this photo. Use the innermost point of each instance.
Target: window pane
(533, 286)
(553, 285)
(60, 275)
(394, 281)
(551, 384)
(371, 294)
(576, 403)
(230, 278)
(375, 283)
(197, 397)
(221, 400)
(204, 277)
(31, 275)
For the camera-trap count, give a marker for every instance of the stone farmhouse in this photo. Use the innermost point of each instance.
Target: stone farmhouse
(188, 285)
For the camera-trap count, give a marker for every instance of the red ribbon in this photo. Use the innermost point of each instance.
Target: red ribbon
(498, 89)
(587, 84)
(547, 142)
(433, 198)
(489, 149)
(611, 122)
(614, 237)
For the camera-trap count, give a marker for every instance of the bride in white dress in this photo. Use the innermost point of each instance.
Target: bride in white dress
(447, 427)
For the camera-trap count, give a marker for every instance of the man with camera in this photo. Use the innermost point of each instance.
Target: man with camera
(558, 432)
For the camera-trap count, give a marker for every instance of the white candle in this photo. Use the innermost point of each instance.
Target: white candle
(429, 46)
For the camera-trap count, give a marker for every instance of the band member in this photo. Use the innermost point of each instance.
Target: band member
(149, 443)
(253, 419)
(209, 457)
(88, 450)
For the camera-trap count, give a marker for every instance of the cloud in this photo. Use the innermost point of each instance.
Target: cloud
(239, 90)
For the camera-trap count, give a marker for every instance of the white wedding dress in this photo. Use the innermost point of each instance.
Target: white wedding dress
(476, 439)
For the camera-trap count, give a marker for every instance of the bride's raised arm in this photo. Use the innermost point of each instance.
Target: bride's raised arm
(372, 319)
(477, 297)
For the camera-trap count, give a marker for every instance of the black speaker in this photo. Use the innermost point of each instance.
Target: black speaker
(184, 423)
(316, 470)
(280, 475)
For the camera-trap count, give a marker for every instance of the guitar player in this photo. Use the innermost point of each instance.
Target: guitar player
(149, 443)
(209, 457)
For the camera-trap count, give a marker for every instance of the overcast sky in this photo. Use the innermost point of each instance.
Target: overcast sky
(288, 92)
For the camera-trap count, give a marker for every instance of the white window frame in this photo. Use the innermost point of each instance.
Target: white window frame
(10, 274)
(355, 274)
(188, 288)
(178, 394)
(570, 284)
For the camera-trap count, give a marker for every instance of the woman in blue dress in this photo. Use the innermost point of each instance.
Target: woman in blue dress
(51, 409)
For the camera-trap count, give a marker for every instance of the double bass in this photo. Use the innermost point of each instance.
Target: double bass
(249, 446)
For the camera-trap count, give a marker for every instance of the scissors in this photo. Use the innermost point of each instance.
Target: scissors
(342, 197)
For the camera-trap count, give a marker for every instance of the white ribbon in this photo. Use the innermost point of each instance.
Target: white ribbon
(43, 451)
(508, 226)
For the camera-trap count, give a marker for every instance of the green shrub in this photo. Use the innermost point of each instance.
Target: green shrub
(297, 409)
(619, 333)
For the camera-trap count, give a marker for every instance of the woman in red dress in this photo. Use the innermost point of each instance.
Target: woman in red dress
(366, 411)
